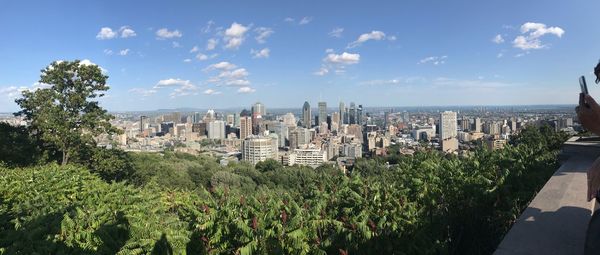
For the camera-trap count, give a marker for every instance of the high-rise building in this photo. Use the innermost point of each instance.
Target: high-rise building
(257, 148)
(289, 119)
(230, 119)
(306, 115)
(259, 109)
(245, 127)
(477, 125)
(236, 119)
(197, 117)
(359, 115)
(199, 128)
(352, 113)
(216, 129)
(447, 125)
(322, 112)
(342, 112)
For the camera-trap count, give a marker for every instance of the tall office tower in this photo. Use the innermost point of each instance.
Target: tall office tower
(257, 148)
(352, 113)
(342, 110)
(405, 117)
(236, 119)
(281, 129)
(176, 117)
(196, 117)
(465, 124)
(289, 119)
(293, 139)
(335, 118)
(210, 116)
(386, 119)
(166, 126)
(216, 129)
(306, 115)
(477, 125)
(259, 109)
(142, 118)
(199, 128)
(322, 112)
(448, 125)
(245, 127)
(230, 119)
(359, 115)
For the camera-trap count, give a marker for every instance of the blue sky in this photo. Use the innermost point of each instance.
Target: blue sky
(282, 53)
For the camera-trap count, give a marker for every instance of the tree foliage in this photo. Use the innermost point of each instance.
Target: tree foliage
(65, 114)
(425, 204)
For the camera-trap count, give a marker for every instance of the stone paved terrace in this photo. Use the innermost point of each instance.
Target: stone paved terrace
(555, 222)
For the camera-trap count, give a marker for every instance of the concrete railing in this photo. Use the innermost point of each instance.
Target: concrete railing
(555, 222)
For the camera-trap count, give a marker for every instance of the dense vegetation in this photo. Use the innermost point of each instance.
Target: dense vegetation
(428, 203)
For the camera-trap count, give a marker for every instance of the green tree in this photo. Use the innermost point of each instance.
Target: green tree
(66, 114)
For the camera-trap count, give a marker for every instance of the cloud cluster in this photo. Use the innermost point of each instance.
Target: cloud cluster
(228, 74)
(435, 60)
(164, 33)
(234, 35)
(108, 33)
(531, 34)
(336, 32)
(264, 53)
(337, 62)
(180, 87)
(262, 34)
(13, 92)
(211, 44)
(143, 92)
(373, 35)
(211, 92)
(498, 39)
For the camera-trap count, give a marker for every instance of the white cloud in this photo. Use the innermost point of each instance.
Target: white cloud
(194, 49)
(176, 44)
(246, 90)
(211, 92)
(264, 53)
(373, 35)
(498, 39)
(288, 19)
(435, 60)
(143, 92)
(187, 60)
(126, 32)
(172, 83)
(207, 29)
(234, 35)
(344, 58)
(337, 62)
(382, 82)
(124, 52)
(224, 65)
(12, 92)
(336, 32)
(237, 82)
(108, 52)
(164, 33)
(391, 38)
(305, 20)
(87, 62)
(329, 51)
(106, 33)
(262, 34)
(211, 44)
(531, 34)
(500, 55)
(322, 71)
(201, 56)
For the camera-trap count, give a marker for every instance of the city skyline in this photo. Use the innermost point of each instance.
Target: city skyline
(194, 55)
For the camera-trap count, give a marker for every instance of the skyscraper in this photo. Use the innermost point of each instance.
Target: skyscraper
(352, 113)
(342, 111)
(216, 129)
(477, 125)
(359, 115)
(306, 115)
(448, 125)
(259, 109)
(245, 127)
(322, 112)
